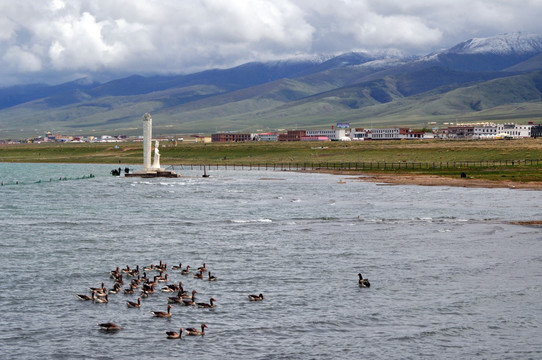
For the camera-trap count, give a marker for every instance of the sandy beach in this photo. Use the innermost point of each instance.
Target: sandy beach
(432, 180)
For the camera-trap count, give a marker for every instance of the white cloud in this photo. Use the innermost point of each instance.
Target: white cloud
(148, 36)
(21, 60)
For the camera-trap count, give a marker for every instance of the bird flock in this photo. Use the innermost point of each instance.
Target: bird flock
(154, 278)
(150, 281)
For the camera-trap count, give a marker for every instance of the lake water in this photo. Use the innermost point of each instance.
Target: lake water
(450, 276)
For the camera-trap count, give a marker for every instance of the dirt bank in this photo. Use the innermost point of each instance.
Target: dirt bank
(433, 180)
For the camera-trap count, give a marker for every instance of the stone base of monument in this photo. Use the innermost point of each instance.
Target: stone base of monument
(154, 174)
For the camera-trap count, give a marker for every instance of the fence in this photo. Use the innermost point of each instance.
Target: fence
(368, 165)
(17, 182)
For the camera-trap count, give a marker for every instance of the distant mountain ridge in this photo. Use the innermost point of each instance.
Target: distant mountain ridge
(505, 44)
(310, 92)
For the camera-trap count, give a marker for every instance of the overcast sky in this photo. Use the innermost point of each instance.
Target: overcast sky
(61, 40)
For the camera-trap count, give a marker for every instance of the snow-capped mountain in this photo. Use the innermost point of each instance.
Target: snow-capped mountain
(496, 53)
(505, 44)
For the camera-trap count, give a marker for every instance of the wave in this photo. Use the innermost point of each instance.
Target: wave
(248, 221)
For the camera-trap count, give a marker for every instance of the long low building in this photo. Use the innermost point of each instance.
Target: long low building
(230, 137)
(331, 134)
(270, 136)
(487, 131)
(385, 134)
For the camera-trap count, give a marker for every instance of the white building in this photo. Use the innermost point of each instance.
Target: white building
(492, 131)
(385, 134)
(485, 131)
(359, 134)
(332, 134)
(271, 136)
(515, 131)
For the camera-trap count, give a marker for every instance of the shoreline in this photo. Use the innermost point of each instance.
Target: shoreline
(408, 179)
(434, 180)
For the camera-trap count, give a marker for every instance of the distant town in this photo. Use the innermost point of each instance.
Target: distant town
(338, 132)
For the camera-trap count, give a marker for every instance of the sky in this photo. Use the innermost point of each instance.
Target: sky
(54, 41)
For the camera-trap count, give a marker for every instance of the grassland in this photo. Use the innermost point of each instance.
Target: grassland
(405, 153)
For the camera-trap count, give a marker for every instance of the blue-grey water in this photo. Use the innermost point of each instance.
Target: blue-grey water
(450, 276)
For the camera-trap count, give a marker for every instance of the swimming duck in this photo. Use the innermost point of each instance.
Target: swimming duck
(174, 334)
(173, 287)
(162, 314)
(109, 326)
(132, 304)
(202, 268)
(102, 300)
(149, 268)
(136, 281)
(161, 278)
(211, 277)
(153, 282)
(176, 299)
(363, 282)
(194, 331)
(134, 272)
(130, 290)
(207, 306)
(114, 273)
(118, 279)
(85, 297)
(116, 288)
(94, 289)
(101, 293)
(198, 275)
(255, 297)
(175, 267)
(162, 267)
(149, 288)
(186, 271)
(192, 301)
(185, 295)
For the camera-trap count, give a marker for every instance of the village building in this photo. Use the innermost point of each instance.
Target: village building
(514, 131)
(359, 133)
(230, 137)
(536, 131)
(485, 131)
(292, 135)
(386, 134)
(460, 131)
(331, 134)
(268, 136)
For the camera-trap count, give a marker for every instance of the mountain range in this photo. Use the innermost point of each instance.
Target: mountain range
(484, 79)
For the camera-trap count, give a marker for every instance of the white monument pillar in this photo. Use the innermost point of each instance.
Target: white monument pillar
(151, 169)
(147, 139)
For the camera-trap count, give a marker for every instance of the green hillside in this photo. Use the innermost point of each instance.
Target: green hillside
(433, 95)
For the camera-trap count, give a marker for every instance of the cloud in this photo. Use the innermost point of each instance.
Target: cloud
(62, 39)
(21, 60)
(365, 27)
